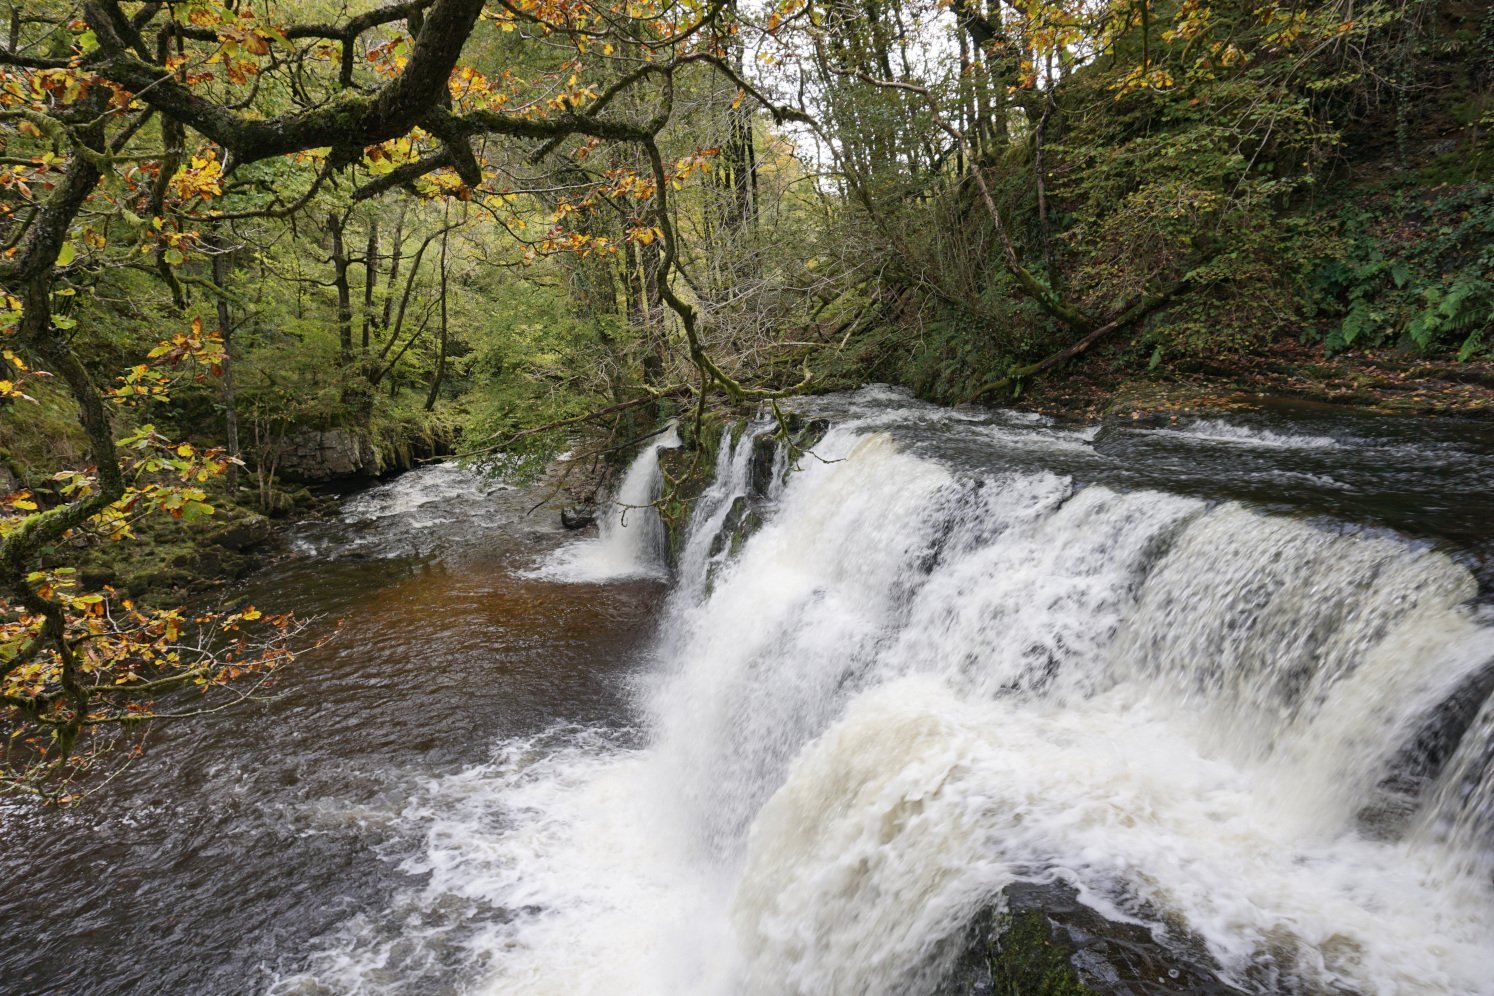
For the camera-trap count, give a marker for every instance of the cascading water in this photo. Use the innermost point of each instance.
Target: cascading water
(965, 651)
(630, 536)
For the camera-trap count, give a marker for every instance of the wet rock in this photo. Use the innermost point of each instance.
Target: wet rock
(242, 534)
(207, 563)
(1039, 940)
(742, 520)
(284, 501)
(1140, 420)
(577, 518)
(809, 433)
(764, 462)
(768, 448)
(159, 581)
(1416, 767)
(689, 471)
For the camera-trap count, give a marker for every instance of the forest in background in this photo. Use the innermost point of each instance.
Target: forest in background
(443, 226)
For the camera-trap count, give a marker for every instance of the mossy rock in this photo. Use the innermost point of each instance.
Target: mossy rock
(1040, 940)
(167, 559)
(764, 457)
(742, 520)
(688, 470)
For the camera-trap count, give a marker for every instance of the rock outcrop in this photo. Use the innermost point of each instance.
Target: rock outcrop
(1040, 940)
(317, 456)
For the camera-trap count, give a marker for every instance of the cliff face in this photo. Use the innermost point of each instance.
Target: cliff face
(322, 455)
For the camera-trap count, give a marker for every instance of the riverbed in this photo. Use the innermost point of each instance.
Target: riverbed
(1181, 666)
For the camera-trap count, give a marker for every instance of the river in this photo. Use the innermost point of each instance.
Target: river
(1227, 677)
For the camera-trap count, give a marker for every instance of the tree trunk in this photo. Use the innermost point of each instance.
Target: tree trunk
(396, 254)
(344, 295)
(370, 274)
(430, 399)
(655, 347)
(1040, 168)
(222, 266)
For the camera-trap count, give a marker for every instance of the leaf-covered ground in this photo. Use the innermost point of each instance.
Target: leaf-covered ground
(1385, 381)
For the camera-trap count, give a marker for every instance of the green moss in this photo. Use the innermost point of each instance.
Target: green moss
(37, 438)
(688, 470)
(686, 478)
(1024, 961)
(167, 559)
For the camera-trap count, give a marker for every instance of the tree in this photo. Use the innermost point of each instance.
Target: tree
(257, 117)
(713, 199)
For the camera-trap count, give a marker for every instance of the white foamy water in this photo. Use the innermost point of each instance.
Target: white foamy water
(916, 684)
(411, 514)
(1219, 431)
(630, 537)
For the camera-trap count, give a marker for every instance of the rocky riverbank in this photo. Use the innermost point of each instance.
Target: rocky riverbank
(167, 561)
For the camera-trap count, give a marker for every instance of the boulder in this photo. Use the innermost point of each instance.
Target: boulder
(764, 461)
(577, 518)
(1040, 940)
(242, 533)
(1414, 770)
(742, 520)
(809, 432)
(96, 578)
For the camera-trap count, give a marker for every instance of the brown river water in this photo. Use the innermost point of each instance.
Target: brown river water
(211, 865)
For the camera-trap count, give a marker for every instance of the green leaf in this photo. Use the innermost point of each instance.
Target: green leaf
(68, 253)
(1360, 319)
(1470, 345)
(192, 510)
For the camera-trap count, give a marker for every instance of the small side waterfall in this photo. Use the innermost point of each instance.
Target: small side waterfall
(707, 542)
(630, 537)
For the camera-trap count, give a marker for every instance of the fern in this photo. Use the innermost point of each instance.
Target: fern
(1473, 342)
(1464, 304)
(1362, 318)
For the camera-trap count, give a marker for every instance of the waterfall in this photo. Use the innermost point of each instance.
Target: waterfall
(630, 536)
(921, 686)
(1461, 817)
(933, 671)
(704, 548)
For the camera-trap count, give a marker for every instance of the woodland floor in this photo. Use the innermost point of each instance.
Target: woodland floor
(1386, 381)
